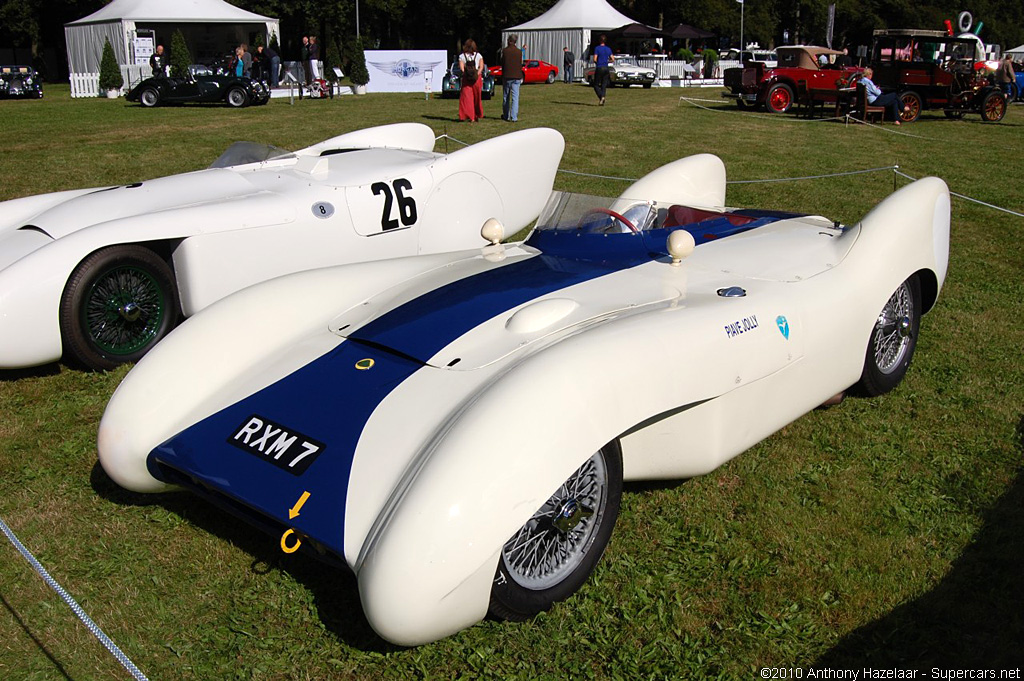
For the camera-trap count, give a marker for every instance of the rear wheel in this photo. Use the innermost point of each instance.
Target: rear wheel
(993, 107)
(119, 302)
(893, 339)
(237, 97)
(779, 99)
(149, 97)
(910, 107)
(552, 555)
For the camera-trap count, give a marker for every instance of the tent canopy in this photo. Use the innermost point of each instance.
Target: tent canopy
(568, 24)
(687, 32)
(211, 28)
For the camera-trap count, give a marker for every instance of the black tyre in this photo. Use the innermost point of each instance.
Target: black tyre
(551, 77)
(910, 106)
(892, 342)
(552, 555)
(237, 97)
(647, 86)
(993, 107)
(150, 97)
(119, 302)
(779, 98)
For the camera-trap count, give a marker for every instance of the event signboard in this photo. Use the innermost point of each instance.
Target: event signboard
(404, 70)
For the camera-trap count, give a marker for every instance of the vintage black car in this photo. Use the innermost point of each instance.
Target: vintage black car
(20, 82)
(451, 84)
(201, 85)
(932, 70)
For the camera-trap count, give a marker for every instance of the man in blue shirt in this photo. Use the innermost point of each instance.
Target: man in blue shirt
(602, 57)
(889, 100)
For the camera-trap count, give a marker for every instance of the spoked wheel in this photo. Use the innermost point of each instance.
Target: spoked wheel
(893, 340)
(119, 302)
(910, 107)
(551, 556)
(993, 107)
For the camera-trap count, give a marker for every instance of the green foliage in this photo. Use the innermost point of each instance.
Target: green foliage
(180, 58)
(273, 43)
(257, 41)
(881, 532)
(110, 72)
(357, 72)
(331, 58)
(684, 54)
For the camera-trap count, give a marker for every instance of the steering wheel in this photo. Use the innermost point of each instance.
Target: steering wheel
(610, 212)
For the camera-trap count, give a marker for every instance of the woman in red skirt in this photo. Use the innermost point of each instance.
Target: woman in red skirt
(470, 95)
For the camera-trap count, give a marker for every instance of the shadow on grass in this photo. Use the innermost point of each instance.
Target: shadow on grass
(333, 586)
(10, 375)
(39, 644)
(974, 617)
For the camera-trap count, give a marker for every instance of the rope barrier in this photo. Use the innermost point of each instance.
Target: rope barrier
(446, 136)
(750, 114)
(968, 198)
(77, 609)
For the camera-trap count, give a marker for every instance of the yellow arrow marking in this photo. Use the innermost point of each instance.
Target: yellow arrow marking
(284, 542)
(294, 510)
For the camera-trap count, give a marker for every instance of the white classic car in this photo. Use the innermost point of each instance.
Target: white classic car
(624, 71)
(656, 335)
(100, 275)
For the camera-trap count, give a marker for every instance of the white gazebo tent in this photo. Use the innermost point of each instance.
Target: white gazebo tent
(212, 28)
(570, 23)
(1017, 53)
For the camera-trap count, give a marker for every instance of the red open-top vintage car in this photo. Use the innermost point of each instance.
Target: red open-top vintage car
(799, 66)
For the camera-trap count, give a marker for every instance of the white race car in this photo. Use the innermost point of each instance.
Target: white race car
(456, 428)
(102, 274)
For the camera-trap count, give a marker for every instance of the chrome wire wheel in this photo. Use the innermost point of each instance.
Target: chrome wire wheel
(555, 541)
(893, 330)
(124, 310)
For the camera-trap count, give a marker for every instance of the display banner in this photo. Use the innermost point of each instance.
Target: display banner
(404, 70)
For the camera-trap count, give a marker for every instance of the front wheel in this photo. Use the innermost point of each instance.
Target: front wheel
(893, 339)
(237, 97)
(910, 107)
(551, 77)
(119, 302)
(993, 107)
(779, 99)
(149, 97)
(552, 555)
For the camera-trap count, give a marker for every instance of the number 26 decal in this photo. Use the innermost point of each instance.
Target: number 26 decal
(406, 204)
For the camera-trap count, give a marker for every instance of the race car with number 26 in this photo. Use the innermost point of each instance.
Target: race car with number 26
(456, 428)
(100, 275)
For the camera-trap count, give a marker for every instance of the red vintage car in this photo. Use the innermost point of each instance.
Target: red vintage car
(535, 70)
(800, 67)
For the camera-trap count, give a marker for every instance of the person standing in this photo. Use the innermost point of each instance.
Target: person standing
(314, 57)
(246, 60)
(568, 64)
(158, 62)
(1005, 76)
(602, 60)
(271, 61)
(512, 77)
(304, 59)
(471, 64)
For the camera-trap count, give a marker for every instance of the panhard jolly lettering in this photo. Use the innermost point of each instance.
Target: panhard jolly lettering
(741, 326)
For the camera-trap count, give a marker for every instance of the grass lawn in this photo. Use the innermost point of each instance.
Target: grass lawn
(879, 533)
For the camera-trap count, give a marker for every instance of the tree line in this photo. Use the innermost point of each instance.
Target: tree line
(433, 24)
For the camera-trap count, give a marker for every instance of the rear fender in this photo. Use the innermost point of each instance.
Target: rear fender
(394, 136)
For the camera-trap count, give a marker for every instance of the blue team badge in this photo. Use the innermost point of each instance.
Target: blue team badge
(783, 325)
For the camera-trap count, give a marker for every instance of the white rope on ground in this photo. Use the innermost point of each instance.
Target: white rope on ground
(850, 119)
(968, 198)
(750, 114)
(77, 609)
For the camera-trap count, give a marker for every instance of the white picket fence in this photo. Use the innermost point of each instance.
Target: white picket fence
(88, 84)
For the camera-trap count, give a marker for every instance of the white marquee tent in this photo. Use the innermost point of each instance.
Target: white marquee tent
(211, 28)
(1017, 53)
(570, 23)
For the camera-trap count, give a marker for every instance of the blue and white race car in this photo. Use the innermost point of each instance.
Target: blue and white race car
(456, 428)
(101, 275)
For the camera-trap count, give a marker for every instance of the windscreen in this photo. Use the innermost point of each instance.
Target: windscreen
(241, 153)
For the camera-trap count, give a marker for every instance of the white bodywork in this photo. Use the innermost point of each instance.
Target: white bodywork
(231, 227)
(652, 356)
